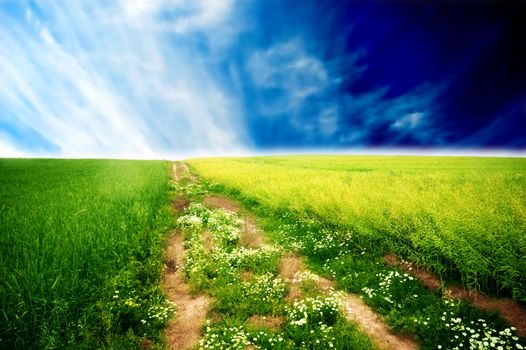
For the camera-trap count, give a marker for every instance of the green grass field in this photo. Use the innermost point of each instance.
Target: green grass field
(461, 217)
(82, 241)
(80, 252)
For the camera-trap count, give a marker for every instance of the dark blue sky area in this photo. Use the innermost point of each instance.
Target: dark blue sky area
(460, 66)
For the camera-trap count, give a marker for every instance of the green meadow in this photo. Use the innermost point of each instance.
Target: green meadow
(82, 241)
(461, 217)
(80, 253)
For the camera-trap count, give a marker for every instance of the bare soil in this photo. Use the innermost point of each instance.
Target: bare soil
(175, 176)
(251, 236)
(290, 265)
(510, 310)
(184, 330)
(272, 322)
(221, 202)
(180, 204)
(373, 325)
(180, 170)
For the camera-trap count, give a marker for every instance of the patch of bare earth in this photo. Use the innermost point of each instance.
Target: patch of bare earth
(510, 310)
(184, 330)
(373, 325)
(251, 235)
(221, 202)
(180, 170)
(175, 176)
(180, 204)
(289, 266)
(272, 322)
(355, 310)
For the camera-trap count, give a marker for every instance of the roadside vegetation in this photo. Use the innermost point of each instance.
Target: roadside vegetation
(304, 221)
(250, 308)
(81, 253)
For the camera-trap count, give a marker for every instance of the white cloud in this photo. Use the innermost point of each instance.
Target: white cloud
(90, 79)
(295, 85)
(46, 36)
(289, 68)
(408, 122)
(180, 16)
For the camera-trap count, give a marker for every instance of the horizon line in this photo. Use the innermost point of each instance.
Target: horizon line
(372, 151)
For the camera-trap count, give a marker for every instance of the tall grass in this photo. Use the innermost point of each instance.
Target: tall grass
(462, 217)
(72, 233)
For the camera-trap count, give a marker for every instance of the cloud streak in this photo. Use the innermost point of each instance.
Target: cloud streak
(98, 80)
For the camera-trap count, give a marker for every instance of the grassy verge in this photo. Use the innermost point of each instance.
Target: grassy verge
(245, 285)
(80, 253)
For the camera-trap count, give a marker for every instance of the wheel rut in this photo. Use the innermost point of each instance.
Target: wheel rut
(293, 269)
(183, 331)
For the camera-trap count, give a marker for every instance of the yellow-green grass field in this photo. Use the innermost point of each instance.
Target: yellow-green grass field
(461, 217)
(80, 253)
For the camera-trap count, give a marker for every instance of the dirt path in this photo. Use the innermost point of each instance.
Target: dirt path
(293, 270)
(180, 171)
(355, 310)
(175, 176)
(510, 310)
(184, 331)
(372, 324)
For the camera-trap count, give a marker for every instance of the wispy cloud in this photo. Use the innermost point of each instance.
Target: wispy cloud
(305, 91)
(103, 79)
(294, 85)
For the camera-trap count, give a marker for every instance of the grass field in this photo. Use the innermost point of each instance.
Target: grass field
(81, 249)
(80, 253)
(463, 218)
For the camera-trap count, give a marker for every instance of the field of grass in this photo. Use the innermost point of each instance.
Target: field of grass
(82, 241)
(463, 218)
(80, 253)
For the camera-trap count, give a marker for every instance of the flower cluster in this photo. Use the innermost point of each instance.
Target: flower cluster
(479, 334)
(220, 337)
(388, 281)
(190, 221)
(130, 309)
(314, 311)
(246, 258)
(265, 288)
(312, 322)
(161, 313)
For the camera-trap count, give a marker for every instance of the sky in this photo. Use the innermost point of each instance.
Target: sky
(184, 78)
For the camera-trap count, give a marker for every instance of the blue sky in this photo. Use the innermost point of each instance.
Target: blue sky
(177, 78)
